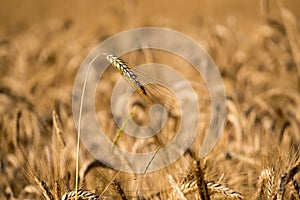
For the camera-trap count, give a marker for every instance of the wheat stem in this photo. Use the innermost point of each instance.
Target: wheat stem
(200, 181)
(79, 122)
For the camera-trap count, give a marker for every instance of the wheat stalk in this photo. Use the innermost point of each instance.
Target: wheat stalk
(79, 122)
(176, 190)
(200, 181)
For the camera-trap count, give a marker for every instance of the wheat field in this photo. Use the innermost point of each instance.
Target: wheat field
(256, 47)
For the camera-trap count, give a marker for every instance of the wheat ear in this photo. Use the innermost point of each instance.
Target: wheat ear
(119, 189)
(45, 189)
(286, 178)
(212, 187)
(82, 194)
(295, 190)
(266, 182)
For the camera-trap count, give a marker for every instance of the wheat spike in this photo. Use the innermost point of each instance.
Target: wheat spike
(154, 93)
(57, 189)
(218, 188)
(266, 182)
(81, 194)
(286, 178)
(57, 128)
(188, 187)
(123, 68)
(212, 187)
(270, 183)
(119, 189)
(295, 190)
(45, 189)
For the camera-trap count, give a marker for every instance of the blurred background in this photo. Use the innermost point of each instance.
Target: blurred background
(133, 13)
(255, 44)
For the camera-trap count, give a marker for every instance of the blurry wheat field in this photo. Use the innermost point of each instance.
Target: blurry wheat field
(255, 44)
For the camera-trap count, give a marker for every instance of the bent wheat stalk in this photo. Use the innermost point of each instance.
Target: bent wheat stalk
(79, 123)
